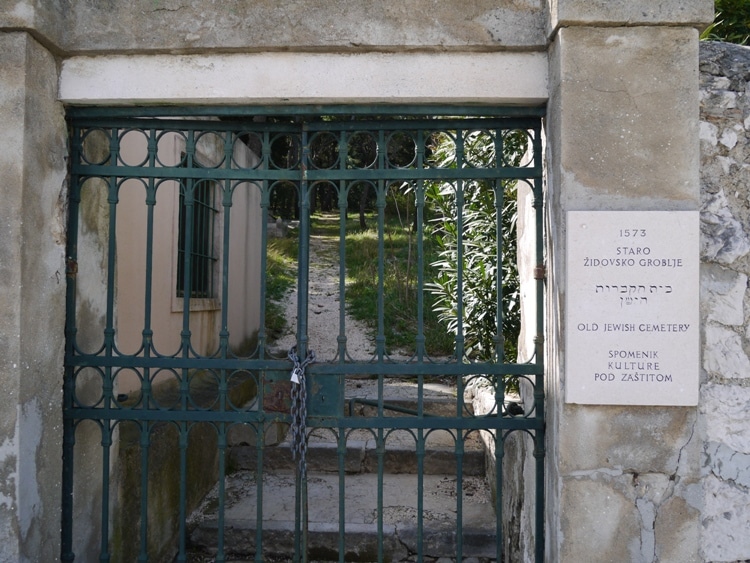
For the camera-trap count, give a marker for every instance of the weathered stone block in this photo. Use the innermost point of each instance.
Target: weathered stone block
(724, 519)
(723, 294)
(726, 409)
(614, 85)
(724, 355)
(728, 464)
(723, 239)
(191, 25)
(676, 531)
(644, 440)
(698, 13)
(31, 300)
(610, 520)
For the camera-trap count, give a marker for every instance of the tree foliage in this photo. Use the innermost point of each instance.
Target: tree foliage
(731, 23)
(479, 202)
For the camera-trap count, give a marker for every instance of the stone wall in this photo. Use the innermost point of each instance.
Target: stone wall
(32, 300)
(620, 77)
(725, 244)
(196, 26)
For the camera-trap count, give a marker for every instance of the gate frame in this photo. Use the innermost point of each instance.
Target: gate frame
(98, 116)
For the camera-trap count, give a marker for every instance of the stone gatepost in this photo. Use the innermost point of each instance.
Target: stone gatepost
(32, 299)
(623, 481)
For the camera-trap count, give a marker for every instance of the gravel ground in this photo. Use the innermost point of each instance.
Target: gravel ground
(324, 310)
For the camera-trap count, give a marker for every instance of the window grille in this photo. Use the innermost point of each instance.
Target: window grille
(197, 220)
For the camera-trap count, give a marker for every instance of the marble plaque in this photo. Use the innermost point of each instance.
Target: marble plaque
(632, 311)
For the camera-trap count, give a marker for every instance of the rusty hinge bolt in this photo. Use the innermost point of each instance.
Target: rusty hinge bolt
(540, 272)
(71, 268)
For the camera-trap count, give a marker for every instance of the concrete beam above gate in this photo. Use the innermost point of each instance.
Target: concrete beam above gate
(498, 78)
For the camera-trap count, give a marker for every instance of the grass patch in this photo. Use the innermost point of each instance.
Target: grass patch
(281, 276)
(400, 291)
(399, 285)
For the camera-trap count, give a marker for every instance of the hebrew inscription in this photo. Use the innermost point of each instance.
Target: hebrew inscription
(632, 308)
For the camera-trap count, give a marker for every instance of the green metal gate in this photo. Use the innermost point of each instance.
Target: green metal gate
(168, 355)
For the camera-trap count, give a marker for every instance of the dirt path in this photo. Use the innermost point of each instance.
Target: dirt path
(324, 309)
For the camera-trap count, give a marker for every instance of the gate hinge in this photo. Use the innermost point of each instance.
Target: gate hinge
(71, 268)
(540, 272)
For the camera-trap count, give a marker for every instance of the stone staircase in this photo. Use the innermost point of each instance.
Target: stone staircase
(360, 486)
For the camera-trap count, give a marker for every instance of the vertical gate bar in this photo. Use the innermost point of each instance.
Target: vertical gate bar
(420, 338)
(343, 204)
(341, 339)
(145, 446)
(539, 536)
(147, 337)
(265, 202)
(538, 205)
(539, 446)
(499, 438)
(381, 468)
(342, 491)
(261, 440)
(112, 199)
(69, 426)
(226, 202)
(499, 339)
(380, 448)
(381, 197)
(459, 449)
(182, 517)
(304, 251)
(380, 338)
(150, 203)
(420, 495)
(147, 343)
(109, 347)
(459, 250)
(460, 340)
(222, 445)
(106, 428)
(188, 202)
(498, 188)
(300, 530)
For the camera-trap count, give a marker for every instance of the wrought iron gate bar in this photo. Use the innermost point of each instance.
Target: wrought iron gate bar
(488, 422)
(249, 175)
(244, 124)
(375, 367)
(108, 183)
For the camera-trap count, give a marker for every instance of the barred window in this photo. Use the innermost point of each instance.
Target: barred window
(197, 221)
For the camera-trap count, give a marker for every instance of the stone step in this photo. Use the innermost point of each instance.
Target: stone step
(360, 518)
(400, 400)
(361, 454)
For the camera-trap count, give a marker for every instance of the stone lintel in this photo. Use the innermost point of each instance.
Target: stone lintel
(485, 78)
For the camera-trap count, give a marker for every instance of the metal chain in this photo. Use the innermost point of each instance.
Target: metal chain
(299, 409)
